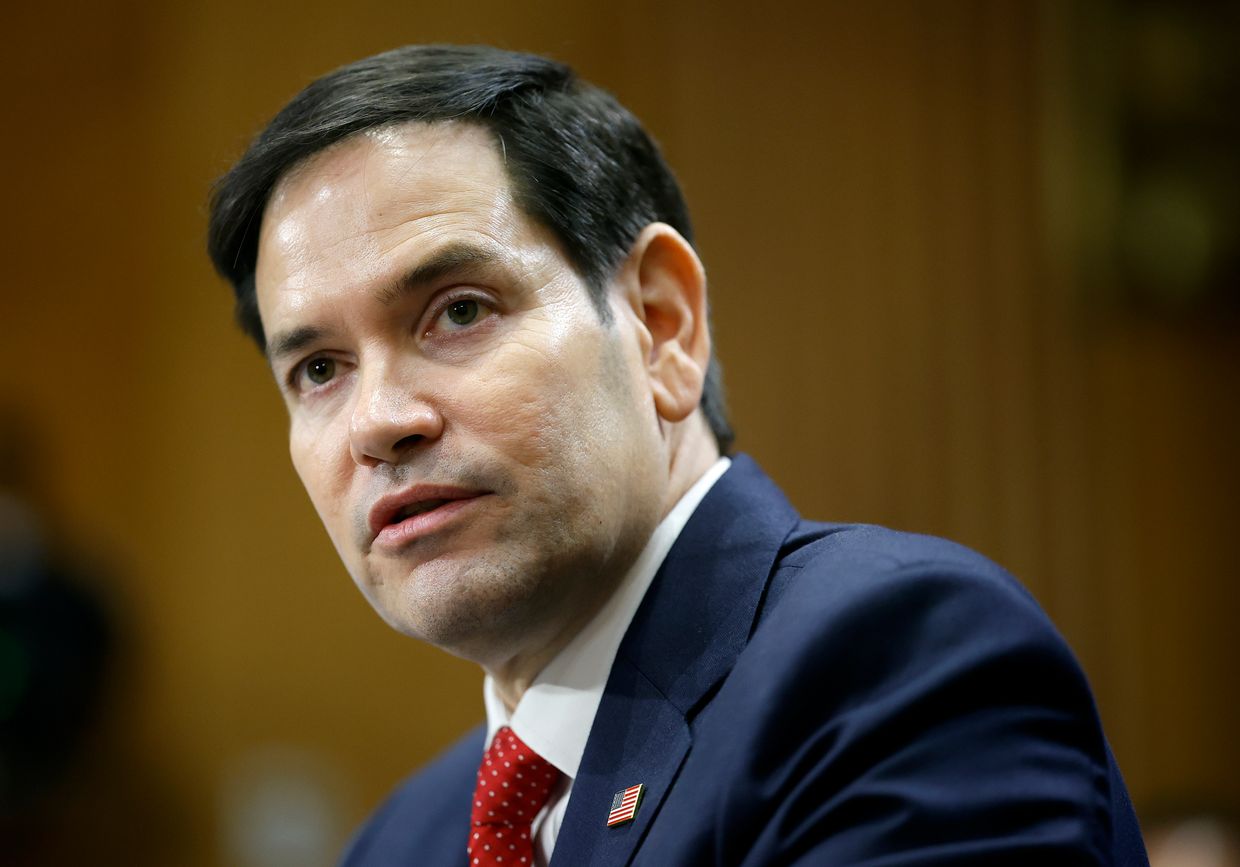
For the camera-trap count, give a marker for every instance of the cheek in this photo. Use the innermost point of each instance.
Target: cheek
(317, 459)
(571, 415)
(542, 403)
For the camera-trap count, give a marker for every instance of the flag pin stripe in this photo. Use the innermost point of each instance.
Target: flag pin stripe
(624, 805)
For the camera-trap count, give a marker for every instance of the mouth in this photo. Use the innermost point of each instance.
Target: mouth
(419, 508)
(399, 519)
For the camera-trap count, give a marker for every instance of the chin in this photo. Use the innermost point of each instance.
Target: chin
(466, 610)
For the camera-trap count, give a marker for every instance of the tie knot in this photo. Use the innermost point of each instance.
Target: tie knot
(514, 783)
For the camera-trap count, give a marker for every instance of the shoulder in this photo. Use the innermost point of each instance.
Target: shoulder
(426, 819)
(872, 548)
(896, 619)
(866, 581)
(890, 668)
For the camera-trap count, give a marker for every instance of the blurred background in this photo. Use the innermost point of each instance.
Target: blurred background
(974, 268)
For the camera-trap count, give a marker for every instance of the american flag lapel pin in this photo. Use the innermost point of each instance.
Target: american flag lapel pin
(624, 805)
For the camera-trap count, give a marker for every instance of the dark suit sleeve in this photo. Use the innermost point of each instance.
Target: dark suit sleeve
(933, 716)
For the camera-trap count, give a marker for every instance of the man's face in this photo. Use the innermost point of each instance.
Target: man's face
(483, 450)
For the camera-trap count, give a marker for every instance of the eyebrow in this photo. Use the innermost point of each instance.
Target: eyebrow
(289, 342)
(442, 263)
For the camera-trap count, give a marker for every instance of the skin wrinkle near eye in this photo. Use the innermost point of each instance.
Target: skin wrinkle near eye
(280, 343)
(526, 262)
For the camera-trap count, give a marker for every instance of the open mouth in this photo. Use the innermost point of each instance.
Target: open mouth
(418, 508)
(395, 524)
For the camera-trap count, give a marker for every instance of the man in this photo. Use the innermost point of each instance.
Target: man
(474, 279)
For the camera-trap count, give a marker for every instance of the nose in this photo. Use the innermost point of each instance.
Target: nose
(389, 418)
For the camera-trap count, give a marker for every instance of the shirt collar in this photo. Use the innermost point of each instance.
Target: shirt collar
(555, 714)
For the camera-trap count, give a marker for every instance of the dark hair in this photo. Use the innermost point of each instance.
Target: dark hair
(577, 160)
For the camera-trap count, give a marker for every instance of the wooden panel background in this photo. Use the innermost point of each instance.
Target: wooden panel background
(877, 191)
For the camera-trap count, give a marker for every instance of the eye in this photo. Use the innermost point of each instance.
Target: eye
(320, 370)
(462, 313)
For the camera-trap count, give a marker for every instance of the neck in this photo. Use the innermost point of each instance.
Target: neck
(692, 451)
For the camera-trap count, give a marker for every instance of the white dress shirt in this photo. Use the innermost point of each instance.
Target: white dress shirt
(555, 714)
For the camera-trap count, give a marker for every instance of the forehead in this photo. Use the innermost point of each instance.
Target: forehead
(347, 212)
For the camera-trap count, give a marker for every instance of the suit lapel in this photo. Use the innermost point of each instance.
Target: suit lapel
(637, 737)
(693, 623)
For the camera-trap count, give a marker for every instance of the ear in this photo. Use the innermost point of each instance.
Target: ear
(667, 291)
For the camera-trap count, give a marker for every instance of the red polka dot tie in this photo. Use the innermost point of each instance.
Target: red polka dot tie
(514, 783)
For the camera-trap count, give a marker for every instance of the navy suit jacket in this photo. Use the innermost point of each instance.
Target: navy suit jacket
(801, 693)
